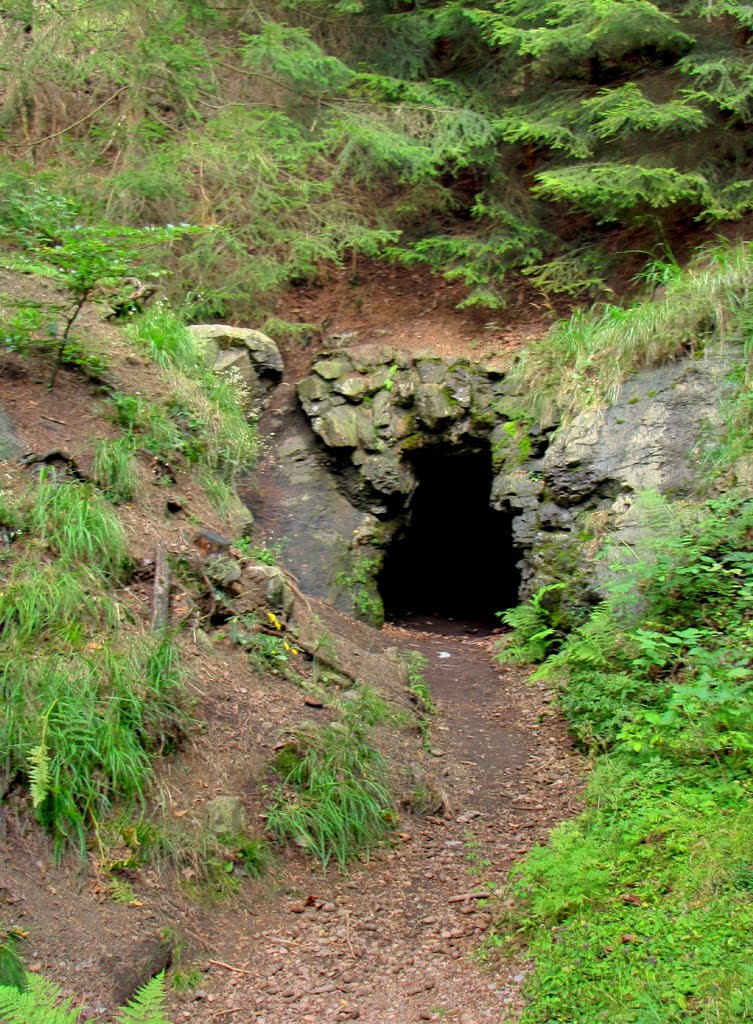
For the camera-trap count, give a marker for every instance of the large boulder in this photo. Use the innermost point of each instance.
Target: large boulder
(247, 354)
(646, 440)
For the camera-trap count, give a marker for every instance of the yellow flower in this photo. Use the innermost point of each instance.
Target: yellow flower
(274, 620)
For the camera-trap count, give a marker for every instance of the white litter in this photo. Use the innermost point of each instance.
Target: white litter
(444, 654)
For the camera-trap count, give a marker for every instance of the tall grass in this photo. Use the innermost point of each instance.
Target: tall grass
(583, 361)
(86, 704)
(77, 524)
(207, 409)
(334, 800)
(114, 469)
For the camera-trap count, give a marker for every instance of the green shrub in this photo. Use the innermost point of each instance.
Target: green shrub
(533, 633)
(640, 910)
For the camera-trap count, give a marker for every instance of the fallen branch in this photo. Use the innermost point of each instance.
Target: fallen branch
(161, 591)
(229, 967)
(464, 897)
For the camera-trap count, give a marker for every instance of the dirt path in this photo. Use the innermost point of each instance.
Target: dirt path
(392, 941)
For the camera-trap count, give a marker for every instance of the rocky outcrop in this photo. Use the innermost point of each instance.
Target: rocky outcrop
(299, 502)
(248, 355)
(373, 407)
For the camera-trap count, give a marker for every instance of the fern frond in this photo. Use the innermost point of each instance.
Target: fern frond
(148, 1005)
(39, 1003)
(39, 774)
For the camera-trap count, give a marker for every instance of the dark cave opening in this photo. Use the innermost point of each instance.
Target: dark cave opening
(454, 558)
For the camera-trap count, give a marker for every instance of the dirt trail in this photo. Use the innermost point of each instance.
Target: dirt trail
(392, 941)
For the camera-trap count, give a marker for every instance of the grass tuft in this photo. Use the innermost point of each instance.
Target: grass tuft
(583, 361)
(114, 469)
(334, 800)
(77, 524)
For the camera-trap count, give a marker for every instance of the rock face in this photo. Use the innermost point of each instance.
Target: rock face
(296, 499)
(373, 408)
(244, 353)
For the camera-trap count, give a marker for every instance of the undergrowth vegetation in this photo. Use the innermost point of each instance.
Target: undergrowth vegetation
(205, 417)
(41, 1002)
(583, 361)
(641, 909)
(89, 699)
(334, 798)
(478, 139)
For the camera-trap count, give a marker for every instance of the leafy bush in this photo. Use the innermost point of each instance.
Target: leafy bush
(522, 132)
(641, 908)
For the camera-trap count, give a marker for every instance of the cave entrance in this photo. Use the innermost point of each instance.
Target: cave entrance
(454, 557)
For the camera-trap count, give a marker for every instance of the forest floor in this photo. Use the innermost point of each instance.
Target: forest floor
(396, 939)
(412, 310)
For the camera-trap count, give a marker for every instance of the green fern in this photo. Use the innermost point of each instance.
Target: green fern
(39, 774)
(41, 1003)
(147, 1005)
(39, 766)
(12, 973)
(533, 632)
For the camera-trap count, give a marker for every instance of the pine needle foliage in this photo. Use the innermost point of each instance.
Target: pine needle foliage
(461, 136)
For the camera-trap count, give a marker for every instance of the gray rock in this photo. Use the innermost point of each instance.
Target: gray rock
(236, 362)
(262, 350)
(338, 428)
(352, 387)
(366, 357)
(331, 369)
(10, 444)
(433, 405)
(225, 815)
(223, 570)
(645, 440)
(244, 353)
(312, 389)
(431, 369)
(300, 500)
(386, 472)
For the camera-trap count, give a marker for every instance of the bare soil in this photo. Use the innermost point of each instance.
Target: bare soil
(411, 310)
(398, 938)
